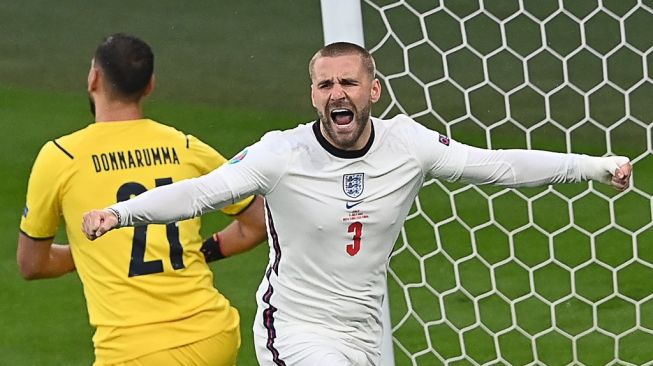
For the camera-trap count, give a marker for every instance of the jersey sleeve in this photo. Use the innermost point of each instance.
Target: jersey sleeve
(208, 159)
(255, 170)
(261, 165)
(440, 156)
(42, 212)
(445, 158)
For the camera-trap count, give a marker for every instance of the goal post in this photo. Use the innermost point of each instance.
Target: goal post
(557, 275)
(342, 21)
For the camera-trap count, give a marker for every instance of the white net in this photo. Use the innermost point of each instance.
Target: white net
(558, 275)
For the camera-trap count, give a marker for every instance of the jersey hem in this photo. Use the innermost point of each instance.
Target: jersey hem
(37, 238)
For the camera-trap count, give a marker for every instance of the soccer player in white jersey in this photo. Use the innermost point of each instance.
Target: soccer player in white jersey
(337, 192)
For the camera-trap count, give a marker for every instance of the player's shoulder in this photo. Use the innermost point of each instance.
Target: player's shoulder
(289, 138)
(400, 126)
(65, 147)
(297, 132)
(163, 131)
(404, 133)
(396, 123)
(189, 145)
(55, 153)
(54, 158)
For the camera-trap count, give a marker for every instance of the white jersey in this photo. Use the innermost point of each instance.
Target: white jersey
(333, 216)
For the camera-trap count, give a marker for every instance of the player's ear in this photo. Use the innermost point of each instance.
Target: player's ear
(93, 77)
(375, 94)
(313, 95)
(150, 86)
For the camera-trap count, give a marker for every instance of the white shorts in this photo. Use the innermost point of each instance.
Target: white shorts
(304, 348)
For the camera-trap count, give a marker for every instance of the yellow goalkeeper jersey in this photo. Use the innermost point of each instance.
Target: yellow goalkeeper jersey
(147, 288)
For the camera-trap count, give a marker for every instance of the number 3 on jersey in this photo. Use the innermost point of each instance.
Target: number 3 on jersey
(357, 229)
(138, 266)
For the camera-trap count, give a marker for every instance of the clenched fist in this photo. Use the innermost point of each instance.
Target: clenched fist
(97, 222)
(621, 177)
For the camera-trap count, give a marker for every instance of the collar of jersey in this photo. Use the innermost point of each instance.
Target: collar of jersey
(120, 123)
(340, 153)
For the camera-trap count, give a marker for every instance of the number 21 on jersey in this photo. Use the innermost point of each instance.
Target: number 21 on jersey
(138, 266)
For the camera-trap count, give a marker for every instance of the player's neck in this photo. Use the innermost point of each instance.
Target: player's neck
(118, 111)
(359, 144)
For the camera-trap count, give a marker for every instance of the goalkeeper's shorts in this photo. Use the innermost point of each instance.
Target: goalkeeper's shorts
(218, 350)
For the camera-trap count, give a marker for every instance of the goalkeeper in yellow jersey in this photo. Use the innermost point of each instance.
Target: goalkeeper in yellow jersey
(149, 291)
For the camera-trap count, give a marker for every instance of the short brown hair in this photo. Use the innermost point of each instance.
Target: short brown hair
(343, 49)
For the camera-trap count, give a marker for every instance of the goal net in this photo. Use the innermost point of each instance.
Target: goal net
(558, 275)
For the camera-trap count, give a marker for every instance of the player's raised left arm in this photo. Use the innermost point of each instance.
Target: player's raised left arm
(529, 168)
(445, 158)
(42, 259)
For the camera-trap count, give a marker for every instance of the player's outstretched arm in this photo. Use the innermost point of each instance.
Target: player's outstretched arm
(244, 233)
(97, 222)
(42, 259)
(530, 168)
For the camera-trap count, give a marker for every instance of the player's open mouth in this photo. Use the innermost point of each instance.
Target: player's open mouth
(342, 116)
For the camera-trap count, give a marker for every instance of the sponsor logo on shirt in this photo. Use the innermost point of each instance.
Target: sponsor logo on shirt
(352, 184)
(25, 211)
(444, 140)
(351, 205)
(238, 158)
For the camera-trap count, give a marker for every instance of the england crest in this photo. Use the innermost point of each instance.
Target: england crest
(352, 184)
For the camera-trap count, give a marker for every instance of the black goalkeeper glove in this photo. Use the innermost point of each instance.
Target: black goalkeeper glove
(211, 248)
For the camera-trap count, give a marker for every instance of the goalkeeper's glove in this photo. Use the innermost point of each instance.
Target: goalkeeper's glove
(211, 248)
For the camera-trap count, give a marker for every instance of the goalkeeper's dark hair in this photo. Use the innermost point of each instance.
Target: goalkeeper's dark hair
(344, 49)
(127, 63)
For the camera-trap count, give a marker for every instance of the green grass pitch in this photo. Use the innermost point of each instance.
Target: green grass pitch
(229, 73)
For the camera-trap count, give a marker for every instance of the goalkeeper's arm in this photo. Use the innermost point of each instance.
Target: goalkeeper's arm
(244, 233)
(41, 258)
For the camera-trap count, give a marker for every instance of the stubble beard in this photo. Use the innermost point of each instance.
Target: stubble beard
(345, 141)
(91, 103)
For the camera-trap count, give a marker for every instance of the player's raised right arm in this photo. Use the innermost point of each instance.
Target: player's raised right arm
(189, 198)
(175, 202)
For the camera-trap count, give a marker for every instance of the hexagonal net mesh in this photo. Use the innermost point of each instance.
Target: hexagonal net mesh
(559, 275)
